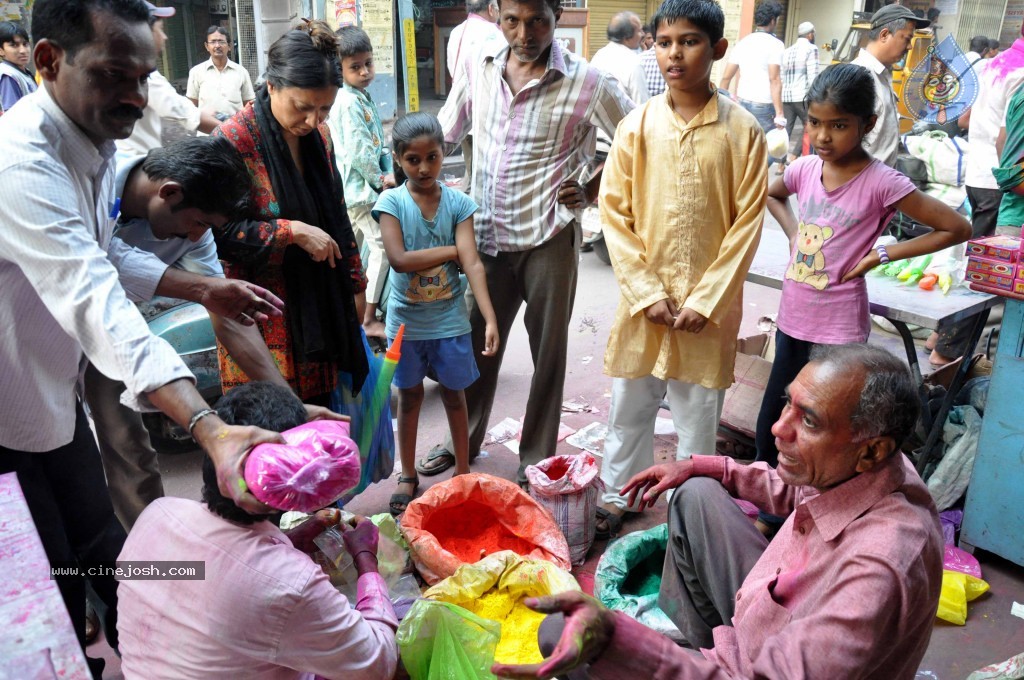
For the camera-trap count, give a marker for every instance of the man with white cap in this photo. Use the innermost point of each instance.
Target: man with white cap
(800, 67)
(892, 28)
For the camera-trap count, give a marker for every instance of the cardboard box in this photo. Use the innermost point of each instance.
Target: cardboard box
(1005, 248)
(990, 280)
(743, 398)
(1018, 286)
(987, 266)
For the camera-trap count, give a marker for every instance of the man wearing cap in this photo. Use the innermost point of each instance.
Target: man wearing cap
(800, 66)
(165, 104)
(892, 28)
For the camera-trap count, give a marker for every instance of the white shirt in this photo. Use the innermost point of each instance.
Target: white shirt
(224, 91)
(165, 105)
(988, 115)
(61, 297)
(754, 54)
(883, 142)
(623, 64)
(469, 39)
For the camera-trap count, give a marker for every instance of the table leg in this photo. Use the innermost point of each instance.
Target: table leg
(915, 372)
(928, 451)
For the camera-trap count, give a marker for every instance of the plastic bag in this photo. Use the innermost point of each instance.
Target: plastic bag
(392, 557)
(440, 641)
(463, 519)
(945, 156)
(956, 559)
(494, 588)
(316, 465)
(569, 487)
(628, 578)
(960, 434)
(957, 590)
(379, 461)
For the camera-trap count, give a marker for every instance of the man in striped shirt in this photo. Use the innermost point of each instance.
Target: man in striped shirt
(800, 67)
(533, 109)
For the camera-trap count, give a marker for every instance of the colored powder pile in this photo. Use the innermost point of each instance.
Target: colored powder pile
(471, 531)
(645, 578)
(519, 624)
(557, 469)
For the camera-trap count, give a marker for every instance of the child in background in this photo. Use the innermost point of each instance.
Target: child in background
(363, 160)
(427, 230)
(15, 52)
(682, 202)
(845, 199)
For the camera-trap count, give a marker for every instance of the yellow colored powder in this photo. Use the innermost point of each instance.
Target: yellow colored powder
(519, 624)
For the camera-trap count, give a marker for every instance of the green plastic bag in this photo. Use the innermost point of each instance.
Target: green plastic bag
(442, 641)
(628, 578)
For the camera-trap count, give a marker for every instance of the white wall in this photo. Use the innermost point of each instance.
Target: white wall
(831, 19)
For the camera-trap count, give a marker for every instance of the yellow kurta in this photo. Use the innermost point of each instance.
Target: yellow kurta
(682, 206)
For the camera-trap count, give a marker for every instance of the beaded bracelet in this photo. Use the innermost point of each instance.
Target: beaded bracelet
(883, 255)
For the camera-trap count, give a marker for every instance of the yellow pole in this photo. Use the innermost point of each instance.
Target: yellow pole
(411, 78)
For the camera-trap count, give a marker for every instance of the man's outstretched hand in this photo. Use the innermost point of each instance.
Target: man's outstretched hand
(589, 626)
(648, 485)
(240, 301)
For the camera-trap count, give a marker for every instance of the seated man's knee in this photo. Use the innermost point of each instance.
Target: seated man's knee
(692, 494)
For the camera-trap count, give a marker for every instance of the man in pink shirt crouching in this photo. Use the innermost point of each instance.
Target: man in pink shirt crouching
(262, 610)
(849, 586)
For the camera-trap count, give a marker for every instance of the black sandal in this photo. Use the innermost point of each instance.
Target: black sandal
(613, 521)
(445, 458)
(400, 501)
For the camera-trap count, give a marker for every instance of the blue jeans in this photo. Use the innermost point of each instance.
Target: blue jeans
(765, 115)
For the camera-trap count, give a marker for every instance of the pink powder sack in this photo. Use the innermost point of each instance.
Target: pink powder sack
(315, 466)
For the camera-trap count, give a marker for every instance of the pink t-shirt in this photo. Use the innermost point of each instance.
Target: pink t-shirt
(837, 229)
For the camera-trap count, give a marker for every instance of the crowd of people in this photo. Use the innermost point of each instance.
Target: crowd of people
(287, 219)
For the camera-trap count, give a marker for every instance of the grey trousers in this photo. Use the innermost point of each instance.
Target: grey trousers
(129, 460)
(712, 546)
(544, 278)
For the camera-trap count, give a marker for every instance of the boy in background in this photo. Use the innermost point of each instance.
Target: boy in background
(364, 162)
(680, 250)
(15, 53)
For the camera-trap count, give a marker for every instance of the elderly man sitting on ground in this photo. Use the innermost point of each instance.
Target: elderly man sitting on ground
(849, 586)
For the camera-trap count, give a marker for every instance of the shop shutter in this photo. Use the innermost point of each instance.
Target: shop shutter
(602, 11)
(978, 17)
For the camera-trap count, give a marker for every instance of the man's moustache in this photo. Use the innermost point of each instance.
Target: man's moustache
(126, 111)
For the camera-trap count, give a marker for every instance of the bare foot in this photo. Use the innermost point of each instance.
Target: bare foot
(937, 359)
(932, 340)
(375, 329)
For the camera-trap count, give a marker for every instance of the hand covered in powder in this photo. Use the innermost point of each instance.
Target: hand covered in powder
(589, 627)
(302, 536)
(360, 537)
(654, 481)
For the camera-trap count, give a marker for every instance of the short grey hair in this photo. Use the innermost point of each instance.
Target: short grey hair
(477, 6)
(892, 26)
(621, 27)
(888, 404)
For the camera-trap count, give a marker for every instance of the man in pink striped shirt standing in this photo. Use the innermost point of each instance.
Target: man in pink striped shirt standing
(533, 109)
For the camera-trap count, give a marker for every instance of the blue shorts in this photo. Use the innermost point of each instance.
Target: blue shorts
(451, 358)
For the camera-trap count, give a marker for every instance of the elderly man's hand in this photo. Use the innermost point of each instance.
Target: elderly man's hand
(572, 195)
(361, 538)
(654, 481)
(240, 301)
(302, 536)
(589, 627)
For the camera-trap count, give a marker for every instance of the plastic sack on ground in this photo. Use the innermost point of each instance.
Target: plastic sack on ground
(957, 590)
(960, 435)
(467, 517)
(378, 462)
(945, 156)
(494, 588)
(628, 578)
(440, 641)
(956, 559)
(1011, 669)
(569, 487)
(316, 465)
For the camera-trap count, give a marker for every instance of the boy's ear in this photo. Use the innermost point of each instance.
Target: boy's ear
(719, 49)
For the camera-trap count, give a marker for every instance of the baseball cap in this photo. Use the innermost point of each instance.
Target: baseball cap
(804, 28)
(891, 13)
(160, 12)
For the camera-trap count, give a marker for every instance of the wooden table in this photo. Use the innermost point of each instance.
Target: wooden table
(38, 640)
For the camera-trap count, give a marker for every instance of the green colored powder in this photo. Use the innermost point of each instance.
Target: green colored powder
(645, 578)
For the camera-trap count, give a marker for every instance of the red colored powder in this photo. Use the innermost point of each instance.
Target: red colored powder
(558, 469)
(467, 529)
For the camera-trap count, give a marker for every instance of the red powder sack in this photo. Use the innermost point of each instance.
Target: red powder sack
(471, 516)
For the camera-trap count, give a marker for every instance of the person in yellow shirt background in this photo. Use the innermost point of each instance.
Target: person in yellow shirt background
(682, 202)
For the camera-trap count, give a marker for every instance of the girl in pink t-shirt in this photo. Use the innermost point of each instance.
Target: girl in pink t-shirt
(845, 199)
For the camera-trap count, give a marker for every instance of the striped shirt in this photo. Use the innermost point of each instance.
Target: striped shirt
(61, 295)
(652, 72)
(525, 145)
(800, 64)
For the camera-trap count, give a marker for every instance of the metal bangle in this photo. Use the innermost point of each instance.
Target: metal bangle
(199, 415)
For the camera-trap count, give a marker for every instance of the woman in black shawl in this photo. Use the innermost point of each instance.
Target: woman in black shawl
(297, 240)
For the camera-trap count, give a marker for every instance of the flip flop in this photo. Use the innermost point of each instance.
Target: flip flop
(614, 523)
(436, 453)
(403, 499)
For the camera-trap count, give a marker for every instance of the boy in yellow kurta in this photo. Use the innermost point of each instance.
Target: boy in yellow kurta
(682, 202)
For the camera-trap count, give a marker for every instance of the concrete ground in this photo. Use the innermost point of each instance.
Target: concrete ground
(991, 634)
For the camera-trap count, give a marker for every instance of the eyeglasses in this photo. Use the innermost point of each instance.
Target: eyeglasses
(216, 42)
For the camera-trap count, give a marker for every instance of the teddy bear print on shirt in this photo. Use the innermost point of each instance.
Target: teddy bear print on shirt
(808, 264)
